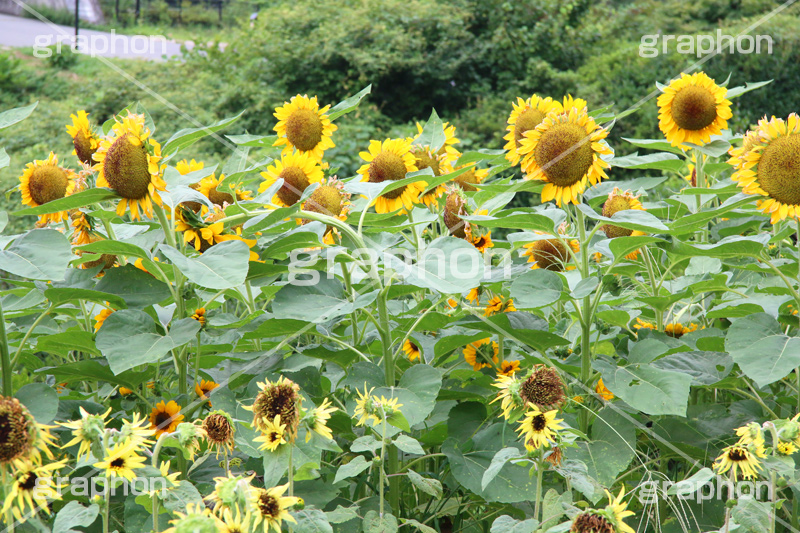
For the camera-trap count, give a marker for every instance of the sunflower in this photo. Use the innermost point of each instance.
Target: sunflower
(786, 448)
(455, 207)
(134, 432)
(693, 108)
(482, 241)
(272, 435)
(43, 181)
(424, 158)
(100, 318)
(203, 388)
(128, 163)
(196, 519)
(280, 398)
(469, 180)
(165, 417)
(271, 508)
(121, 460)
(769, 167)
(185, 166)
(411, 350)
(499, 304)
(372, 408)
(235, 523)
(549, 254)
(674, 329)
(208, 187)
(508, 368)
(539, 428)
(448, 153)
(83, 137)
(317, 420)
(564, 152)
(620, 201)
(304, 127)
(738, 458)
(751, 434)
(230, 492)
(210, 231)
(329, 198)
(86, 431)
(32, 489)
(543, 388)
(298, 171)
(21, 437)
(617, 511)
(525, 116)
(200, 315)
(602, 391)
(474, 295)
(218, 430)
(509, 395)
(125, 391)
(481, 347)
(391, 160)
(82, 227)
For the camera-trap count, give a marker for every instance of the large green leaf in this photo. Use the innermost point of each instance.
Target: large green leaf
(536, 288)
(74, 201)
(187, 137)
(447, 265)
(633, 219)
(318, 302)
(348, 104)
(137, 287)
(18, 114)
(39, 254)
(222, 266)
(649, 389)
(41, 400)
(758, 345)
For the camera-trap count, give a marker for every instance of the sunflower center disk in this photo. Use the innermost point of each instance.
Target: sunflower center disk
(564, 152)
(219, 198)
(615, 205)
(424, 160)
(268, 505)
(163, 420)
(694, 108)
(467, 180)
(48, 183)
(83, 147)
(388, 166)
(779, 169)
(295, 182)
(126, 168)
(304, 129)
(550, 254)
(326, 200)
(527, 120)
(29, 483)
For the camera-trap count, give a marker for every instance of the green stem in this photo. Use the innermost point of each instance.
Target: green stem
(348, 285)
(586, 321)
(5, 356)
(162, 219)
(291, 471)
(382, 473)
(28, 333)
(154, 463)
(106, 506)
(539, 476)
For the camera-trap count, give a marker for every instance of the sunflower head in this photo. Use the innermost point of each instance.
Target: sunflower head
(196, 519)
(329, 198)
(17, 430)
(619, 201)
(281, 398)
(271, 507)
(549, 254)
(411, 350)
(469, 179)
(591, 522)
(165, 417)
(304, 127)
(692, 108)
(218, 427)
(230, 492)
(455, 207)
(525, 116)
(391, 160)
(543, 388)
(44, 181)
(105, 260)
(83, 137)
(425, 159)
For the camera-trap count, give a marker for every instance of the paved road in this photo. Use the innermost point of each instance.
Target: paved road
(25, 32)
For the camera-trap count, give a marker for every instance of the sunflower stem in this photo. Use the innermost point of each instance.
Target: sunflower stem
(154, 464)
(5, 356)
(539, 476)
(291, 470)
(383, 470)
(106, 506)
(586, 319)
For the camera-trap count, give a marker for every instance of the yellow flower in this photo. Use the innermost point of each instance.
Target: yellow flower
(82, 227)
(372, 408)
(499, 304)
(200, 315)
(32, 489)
(448, 153)
(469, 180)
(525, 116)
(318, 419)
(618, 510)
(235, 523)
(120, 461)
(135, 432)
(564, 152)
(83, 137)
(674, 329)
(203, 388)
(508, 368)
(21, 437)
(100, 318)
(692, 108)
(602, 391)
(474, 296)
(185, 166)
(472, 350)
(482, 242)
(786, 448)
(304, 127)
(549, 254)
(218, 430)
(271, 508)
(751, 434)
(411, 350)
(272, 435)
(124, 391)
(165, 417)
(738, 458)
(85, 431)
(391, 160)
(208, 187)
(44, 181)
(509, 397)
(298, 171)
(204, 236)
(621, 201)
(767, 167)
(196, 519)
(128, 163)
(538, 428)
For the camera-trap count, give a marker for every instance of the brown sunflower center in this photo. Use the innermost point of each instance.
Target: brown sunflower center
(126, 168)
(118, 463)
(14, 431)
(163, 419)
(218, 197)
(527, 120)
(83, 147)
(591, 523)
(388, 166)
(467, 180)
(543, 388)
(539, 423)
(48, 183)
(549, 254)
(295, 182)
(425, 160)
(28, 481)
(779, 169)
(615, 204)
(268, 505)
(694, 108)
(325, 199)
(217, 428)
(737, 455)
(304, 129)
(564, 152)
(454, 206)
(277, 400)
(274, 436)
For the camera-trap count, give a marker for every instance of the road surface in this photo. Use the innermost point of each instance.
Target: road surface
(25, 32)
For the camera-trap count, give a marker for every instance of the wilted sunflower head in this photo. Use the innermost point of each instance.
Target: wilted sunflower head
(17, 430)
(218, 430)
(106, 260)
(692, 108)
(591, 522)
(549, 254)
(619, 201)
(230, 492)
(279, 398)
(83, 138)
(455, 207)
(543, 388)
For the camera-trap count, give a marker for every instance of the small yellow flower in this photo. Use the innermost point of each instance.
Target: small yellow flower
(203, 388)
(474, 348)
(508, 368)
(200, 315)
(602, 391)
(100, 318)
(738, 458)
(318, 420)
(273, 434)
(538, 429)
(499, 304)
(411, 350)
(120, 461)
(271, 508)
(165, 417)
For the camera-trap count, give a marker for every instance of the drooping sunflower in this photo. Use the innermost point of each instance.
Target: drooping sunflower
(218, 430)
(482, 241)
(786, 448)
(235, 522)
(21, 437)
(329, 198)
(499, 304)
(86, 431)
(543, 388)
(391, 160)
(674, 329)
(208, 187)
(455, 207)
(200, 315)
(738, 458)
(128, 163)
(304, 127)
(203, 389)
(271, 508)
(539, 428)
(511, 403)
(317, 420)
(549, 254)
(210, 230)
(133, 431)
(751, 434)
(470, 179)
(411, 350)
(621, 201)
(692, 108)
(364, 410)
(482, 348)
(281, 397)
(121, 460)
(273, 434)
(769, 168)
(298, 171)
(230, 492)
(32, 488)
(82, 227)
(43, 181)
(525, 116)
(611, 519)
(165, 417)
(84, 139)
(564, 152)
(508, 368)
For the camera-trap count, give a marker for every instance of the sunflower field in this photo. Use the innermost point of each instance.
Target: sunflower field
(264, 343)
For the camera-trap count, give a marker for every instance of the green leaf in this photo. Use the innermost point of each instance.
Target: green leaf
(446, 266)
(75, 515)
(757, 344)
(536, 288)
(752, 515)
(432, 134)
(519, 219)
(657, 161)
(114, 248)
(4, 159)
(408, 445)
(18, 114)
(41, 400)
(64, 343)
(398, 420)
(498, 462)
(60, 296)
(374, 523)
(739, 91)
(655, 144)
(691, 484)
(507, 524)
(628, 219)
(734, 246)
(138, 288)
(646, 388)
(311, 521)
(429, 486)
(716, 148)
(348, 104)
(223, 266)
(74, 201)
(93, 370)
(188, 136)
(351, 469)
(419, 525)
(39, 254)
(689, 223)
(319, 302)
